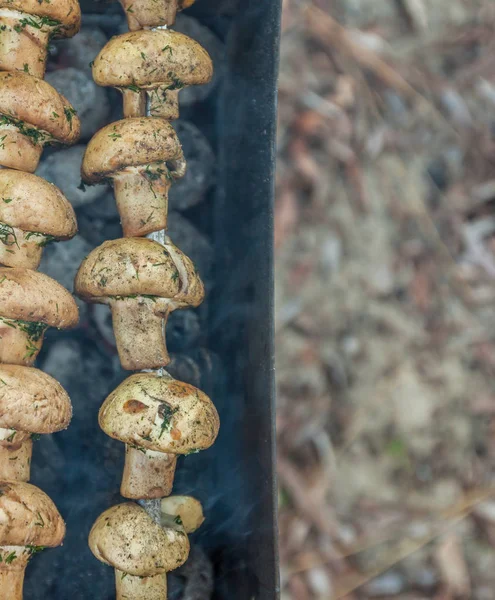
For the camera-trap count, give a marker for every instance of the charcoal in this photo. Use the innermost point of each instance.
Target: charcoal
(80, 50)
(102, 318)
(104, 208)
(196, 575)
(215, 48)
(61, 260)
(96, 231)
(193, 243)
(185, 369)
(199, 367)
(191, 189)
(183, 330)
(64, 170)
(89, 100)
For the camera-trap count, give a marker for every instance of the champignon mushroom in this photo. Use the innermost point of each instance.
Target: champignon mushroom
(141, 157)
(33, 213)
(32, 114)
(26, 28)
(143, 14)
(29, 523)
(30, 302)
(158, 418)
(186, 509)
(31, 403)
(142, 282)
(154, 63)
(141, 552)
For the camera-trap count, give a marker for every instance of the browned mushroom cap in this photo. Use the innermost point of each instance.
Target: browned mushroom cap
(160, 62)
(157, 414)
(29, 517)
(29, 303)
(142, 157)
(32, 114)
(143, 282)
(29, 522)
(142, 14)
(33, 212)
(31, 402)
(26, 27)
(186, 508)
(126, 538)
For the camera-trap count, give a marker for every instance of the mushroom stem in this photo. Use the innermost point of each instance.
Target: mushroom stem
(147, 474)
(139, 333)
(23, 47)
(20, 249)
(12, 572)
(164, 103)
(16, 346)
(26, 155)
(131, 587)
(15, 459)
(134, 103)
(142, 200)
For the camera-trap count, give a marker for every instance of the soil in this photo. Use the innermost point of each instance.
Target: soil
(385, 285)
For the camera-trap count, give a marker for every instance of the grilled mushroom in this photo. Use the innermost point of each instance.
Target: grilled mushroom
(26, 28)
(31, 403)
(158, 418)
(29, 523)
(30, 302)
(143, 14)
(185, 508)
(32, 114)
(141, 552)
(141, 157)
(154, 63)
(33, 213)
(142, 282)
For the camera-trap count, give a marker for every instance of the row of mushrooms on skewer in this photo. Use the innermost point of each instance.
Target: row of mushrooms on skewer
(33, 213)
(141, 279)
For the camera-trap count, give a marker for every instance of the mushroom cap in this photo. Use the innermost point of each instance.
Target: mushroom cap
(187, 508)
(36, 103)
(129, 143)
(153, 14)
(139, 267)
(160, 414)
(32, 204)
(32, 401)
(150, 58)
(31, 296)
(28, 516)
(126, 538)
(66, 12)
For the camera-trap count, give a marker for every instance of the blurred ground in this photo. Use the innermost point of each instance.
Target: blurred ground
(385, 280)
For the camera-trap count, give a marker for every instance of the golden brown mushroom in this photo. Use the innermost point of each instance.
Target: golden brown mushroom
(143, 14)
(157, 64)
(185, 509)
(158, 418)
(33, 213)
(141, 157)
(30, 302)
(140, 550)
(142, 282)
(32, 114)
(29, 523)
(31, 403)
(26, 27)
